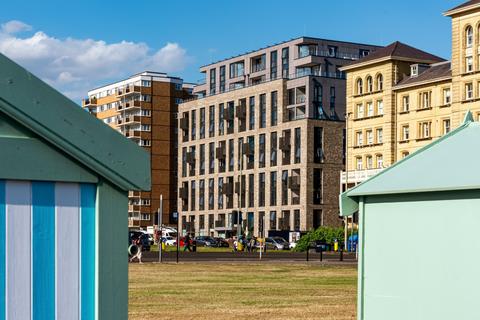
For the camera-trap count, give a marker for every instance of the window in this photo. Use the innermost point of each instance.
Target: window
(359, 86)
(380, 135)
(240, 154)
(257, 63)
(369, 162)
(230, 117)
(469, 91)
(296, 220)
(211, 121)
(380, 107)
(236, 69)
(221, 118)
(251, 113)
(273, 220)
(251, 153)
(231, 159)
(359, 138)
(360, 111)
(211, 157)
(192, 196)
(468, 64)
(332, 51)
(369, 84)
(298, 145)
(261, 151)
(263, 111)
(191, 160)
(380, 82)
(273, 149)
(184, 162)
(469, 37)
(285, 62)
(211, 193)
(213, 76)
(370, 109)
(332, 103)
(379, 161)
(194, 125)
(273, 188)
(273, 65)
(222, 79)
(201, 195)
(406, 103)
(251, 191)
(285, 187)
(359, 163)
(202, 159)
(424, 129)
(220, 193)
(318, 155)
(446, 126)
(425, 99)
(146, 83)
(318, 100)
(317, 185)
(261, 189)
(369, 134)
(447, 96)
(273, 108)
(405, 133)
(202, 123)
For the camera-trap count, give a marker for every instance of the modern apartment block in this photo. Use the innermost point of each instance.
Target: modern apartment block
(144, 109)
(400, 98)
(262, 145)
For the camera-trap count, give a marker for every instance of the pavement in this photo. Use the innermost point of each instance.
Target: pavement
(328, 258)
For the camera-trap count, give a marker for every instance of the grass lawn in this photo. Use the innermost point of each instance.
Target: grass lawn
(250, 291)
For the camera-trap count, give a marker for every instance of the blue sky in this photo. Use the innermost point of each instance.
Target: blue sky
(76, 45)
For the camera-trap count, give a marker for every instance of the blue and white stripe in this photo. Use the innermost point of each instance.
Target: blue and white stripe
(47, 265)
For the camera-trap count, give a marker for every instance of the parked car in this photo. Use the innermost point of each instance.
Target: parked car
(221, 242)
(169, 241)
(134, 235)
(276, 243)
(292, 245)
(205, 241)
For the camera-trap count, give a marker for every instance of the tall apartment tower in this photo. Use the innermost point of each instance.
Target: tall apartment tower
(144, 109)
(422, 97)
(261, 147)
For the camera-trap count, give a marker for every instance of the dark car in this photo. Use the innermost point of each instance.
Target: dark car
(221, 242)
(145, 241)
(205, 241)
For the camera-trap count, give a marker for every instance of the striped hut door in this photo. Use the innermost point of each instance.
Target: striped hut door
(47, 266)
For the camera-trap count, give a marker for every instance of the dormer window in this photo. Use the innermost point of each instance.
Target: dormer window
(414, 70)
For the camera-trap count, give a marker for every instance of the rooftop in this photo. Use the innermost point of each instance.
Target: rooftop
(463, 7)
(435, 71)
(396, 50)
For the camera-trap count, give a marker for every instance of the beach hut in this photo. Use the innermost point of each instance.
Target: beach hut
(419, 250)
(64, 181)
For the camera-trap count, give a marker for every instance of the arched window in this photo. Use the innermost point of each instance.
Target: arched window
(380, 82)
(369, 84)
(359, 86)
(469, 37)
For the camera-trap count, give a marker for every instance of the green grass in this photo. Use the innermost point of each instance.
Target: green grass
(251, 291)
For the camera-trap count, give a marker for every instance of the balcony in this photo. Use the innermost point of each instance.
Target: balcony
(90, 104)
(128, 90)
(284, 144)
(129, 105)
(294, 183)
(129, 120)
(358, 176)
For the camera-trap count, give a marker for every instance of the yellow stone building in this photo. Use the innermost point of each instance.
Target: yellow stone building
(400, 98)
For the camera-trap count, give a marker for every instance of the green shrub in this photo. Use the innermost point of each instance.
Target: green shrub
(324, 234)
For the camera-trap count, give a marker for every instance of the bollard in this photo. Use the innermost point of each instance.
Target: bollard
(341, 254)
(308, 249)
(321, 254)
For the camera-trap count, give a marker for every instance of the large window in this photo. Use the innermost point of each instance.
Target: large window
(213, 77)
(405, 133)
(211, 193)
(251, 191)
(193, 196)
(191, 160)
(230, 117)
(424, 129)
(469, 91)
(231, 159)
(318, 144)
(406, 103)
(318, 100)
(202, 159)
(298, 145)
(251, 152)
(285, 62)
(379, 82)
(261, 189)
(184, 162)
(273, 65)
(220, 193)
(263, 111)
(285, 187)
(273, 108)
(221, 118)
(273, 188)
(369, 84)
(273, 149)
(211, 121)
(222, 79)
(201, 195)
(211, 157)
(251, 113)
(469, 37)
(194, 125)
(446, 126)
(202, 123)
(425, 99)
(359, 86)
(261, 151)
(447, 96)
(236, 69)
(317, 185)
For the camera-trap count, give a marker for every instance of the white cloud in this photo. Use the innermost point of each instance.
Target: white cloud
(15, 26)
(76, 65)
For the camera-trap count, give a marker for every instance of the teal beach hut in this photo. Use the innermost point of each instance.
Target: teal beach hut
(64, 181)
(419, 250)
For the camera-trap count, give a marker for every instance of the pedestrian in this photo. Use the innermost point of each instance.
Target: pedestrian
(253, 242)
(138, 255)
(186, 244)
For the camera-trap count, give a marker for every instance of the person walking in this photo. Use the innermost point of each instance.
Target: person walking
(138, 255)
(186, 244)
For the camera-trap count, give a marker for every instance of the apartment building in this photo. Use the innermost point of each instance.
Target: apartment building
(400, 98)
(262, 145)
(144, 109)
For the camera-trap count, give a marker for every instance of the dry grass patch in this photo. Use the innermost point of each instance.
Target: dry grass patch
(252, 291)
